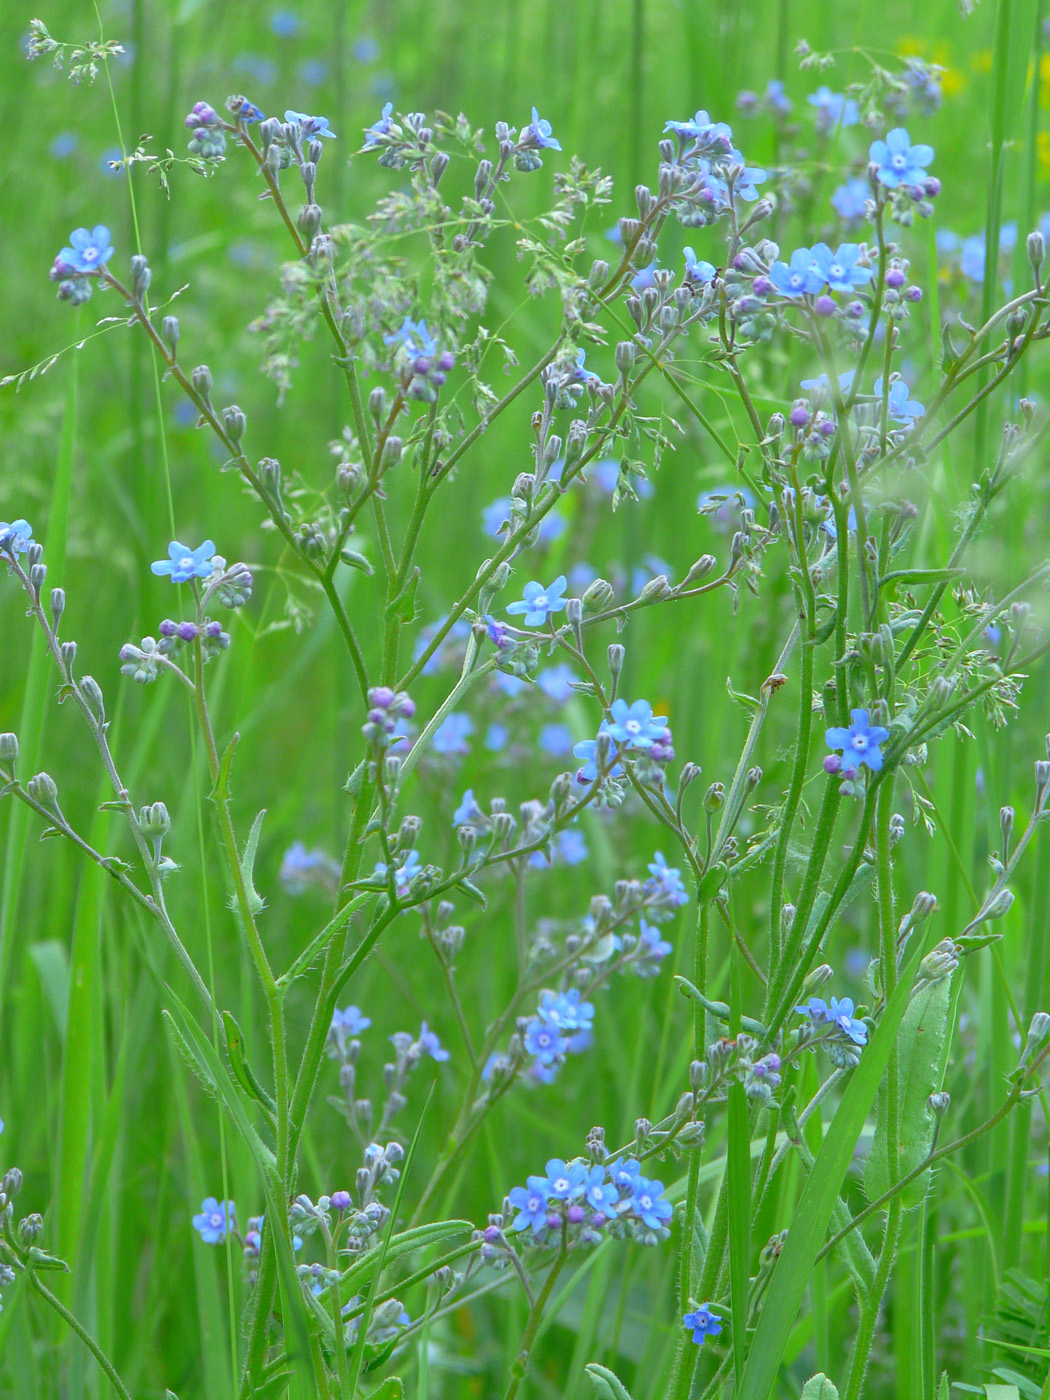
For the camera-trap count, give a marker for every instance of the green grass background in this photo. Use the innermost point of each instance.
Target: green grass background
(117, 1143)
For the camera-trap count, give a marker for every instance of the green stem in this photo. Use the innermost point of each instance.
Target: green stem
(532, 1326)
(96, 1351)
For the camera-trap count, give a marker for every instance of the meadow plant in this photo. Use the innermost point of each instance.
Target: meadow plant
(745, 1187)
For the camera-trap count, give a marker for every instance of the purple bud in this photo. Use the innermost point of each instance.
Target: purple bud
(827, 427)
(129, 652)
(932, 187)
(60, 269)
(855, 309)
(824, 306)
(167, 628)
(913, 293)
(213, 629)
(437, 378)
(341, 1200)
(186, 631)
(446, 361)
(799, 415)
(833, 764)
(421, 366)
(382, 696)
(491, 1235)
(575, 1215)
(553, 1221)
(761, 285)
(895, 277)
(408, 707)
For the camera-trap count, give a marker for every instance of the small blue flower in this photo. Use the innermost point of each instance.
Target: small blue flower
(301, 867)
(365, 50)
(403, 874)
(833, 108)
(452, 733)
(898, 162)
(652, 949)
(748, 178)
(429, 1042)
(697, 272)
(565, 1182)
(538, 134)
(89, 250)
(840, 269)
(539, 602)
(545, 1041)
(840, 1014)
(566, 1011)
(820, 387)
(702, 1322)
(310, 128)
(350, 1022)
(183, 564)
(571, 847)
(600, 1195)
(665, 883)
(313, 72)
(556, 739)
(383, 127)
(15, 536)
(496, 735)
(899, 406)
(556, 682)
(414, 338)
(64, 144)
(215, 1220)
(860, 742)
(643, 278)
(495, 516)
(798, 277)
(284, 23)
(850, 201)
(776, 99)
(531, 1204)
(586, 749)
(635, 725)
(468, 812)
(624, 1172)
(646, 1202)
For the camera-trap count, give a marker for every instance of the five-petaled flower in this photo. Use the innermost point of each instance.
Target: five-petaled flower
(383, 127)
(538, 134)
(89, 250)
(310, 128)
(899, 406)
(531, 1204)
(183, 564)
(545, 1040)
(840, 270)
(897, 161)
(838, 1013)
(429, 1042)
(15, 536)
(797, 277)
(697, 272)
(703, 1323)
(859, 743)
(215, 1219)
(538, 602)
(635, 725)
(647, 1202)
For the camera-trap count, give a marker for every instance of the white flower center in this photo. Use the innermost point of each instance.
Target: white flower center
(216, 1219)
(899, 162)
(795, 280)
(645, 1202)
(837, 272)
(561, 1184)
(860, 742)
(186, 562)
(540, 602)
(90, 253)
(633, 726)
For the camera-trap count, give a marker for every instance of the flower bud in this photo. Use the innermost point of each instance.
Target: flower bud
(8, 748)
(154, 820)
(938, 1104)
(616, 656)
(309, 221)
(234, 421)
(1038, 1035)
(92, 697)
(1036, 247)
(140, 277)
(30, 1228)
(12, 1183)
(169, 329)
(42, 790)
(200, 378)
(598, 595)
(68, 652)
(714, 797)
(940, 962)
(58, 606)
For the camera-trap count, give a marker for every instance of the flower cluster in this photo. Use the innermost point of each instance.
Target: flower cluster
(562, 1022)
(846, 1035)
(860, 745)
(423, 365)
(717, 173)
(577, 1202)
(386, 708)
(629, 728)
(85, 256)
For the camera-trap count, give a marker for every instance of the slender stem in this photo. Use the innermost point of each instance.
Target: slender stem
(96, 1351)
(532, 1326)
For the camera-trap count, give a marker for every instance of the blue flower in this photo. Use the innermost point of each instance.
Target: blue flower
(565, 1182)
(15, 536)
(90, 249)
(429, 1042)
(215, 1220)
(636, 725)
(414, 338)
(702, 1322)
(496, 734)
(301, 867)
(64, 144)
(468, 812)
(587, 749)
(313, 72)
(851, 199)
(556, 739)
(566, 1011)
(624, 1172)
(714, 137)
(840, 1014)
(538, 134)
(403, 874)
(544, 1040)
(898, 161)
(600, 1195)
(833, 108)
(646, 1202)
(345, 1026)
(183, 564)
(797, 277)
(665, 883)
(840, 269)
(697, 272)
(383, 127)
(452, 733)
(776, 99)
(531, 1204)
(310, 128)
(284, 23)
(860, 742)
(899, 406)
(495, 516)
(821, 386)
(652, 949)
(644, 277)
(555, 682)
(816, 1009)
(539, 602)
(365, 50)
(571, 847)
(748, 178)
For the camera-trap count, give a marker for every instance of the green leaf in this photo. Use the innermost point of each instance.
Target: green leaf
(273, 1387)
(819, 1388)
(919, 1047)
(51, 961)
(419, 1237)
(809, 1224)
(943, 1390)
(1002, 1392)
(606, 1385)
(393, 1388)
(256, 903)
(242, 1070)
